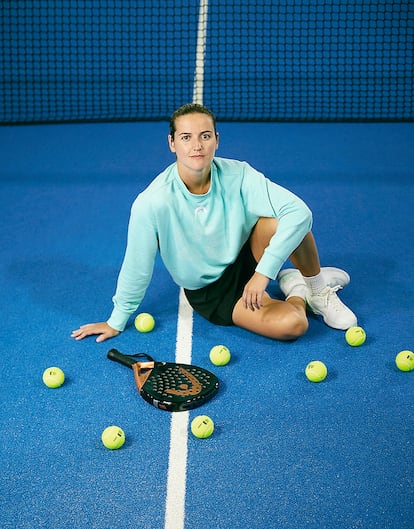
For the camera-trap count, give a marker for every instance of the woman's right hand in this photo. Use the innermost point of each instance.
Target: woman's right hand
(103, 330)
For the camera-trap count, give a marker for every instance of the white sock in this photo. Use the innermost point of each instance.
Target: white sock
(315, 283)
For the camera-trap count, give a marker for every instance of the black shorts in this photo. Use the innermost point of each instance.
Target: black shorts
(216, 301)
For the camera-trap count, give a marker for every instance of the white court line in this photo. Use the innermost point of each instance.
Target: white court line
(177, 462)
(198, 87)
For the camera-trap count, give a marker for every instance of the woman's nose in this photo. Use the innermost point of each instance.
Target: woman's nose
(197, 145)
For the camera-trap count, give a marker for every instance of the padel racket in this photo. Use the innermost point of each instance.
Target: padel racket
(166, 385)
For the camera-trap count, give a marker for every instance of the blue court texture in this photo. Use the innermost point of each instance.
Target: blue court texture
(286, 453)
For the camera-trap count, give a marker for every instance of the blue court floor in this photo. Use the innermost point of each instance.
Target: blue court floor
(286, 453)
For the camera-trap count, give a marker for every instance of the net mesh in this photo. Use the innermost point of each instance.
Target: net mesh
(287, 60)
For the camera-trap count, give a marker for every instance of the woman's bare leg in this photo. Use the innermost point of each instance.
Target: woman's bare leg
(282, 320)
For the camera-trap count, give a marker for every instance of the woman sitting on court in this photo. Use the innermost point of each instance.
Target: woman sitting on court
(224, 231)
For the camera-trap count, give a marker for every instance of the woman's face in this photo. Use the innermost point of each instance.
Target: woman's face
(195, 143)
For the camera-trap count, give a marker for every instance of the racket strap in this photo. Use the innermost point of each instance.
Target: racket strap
(142, 355)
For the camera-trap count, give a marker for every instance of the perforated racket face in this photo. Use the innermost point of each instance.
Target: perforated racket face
(179, 387)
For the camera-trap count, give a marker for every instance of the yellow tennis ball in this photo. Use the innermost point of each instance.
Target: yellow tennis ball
(144, 322)
(405, 360)
(355, 336)
(53, 377)
(220, 355)
(316, 371)
(113, 437)
(202, 426)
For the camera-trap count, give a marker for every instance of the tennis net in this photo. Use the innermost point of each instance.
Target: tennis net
(286, 60)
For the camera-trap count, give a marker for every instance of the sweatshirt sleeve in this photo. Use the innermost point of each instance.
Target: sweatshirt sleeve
(137, 267)
(269, 199)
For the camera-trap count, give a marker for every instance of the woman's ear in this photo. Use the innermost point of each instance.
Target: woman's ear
(171, 143)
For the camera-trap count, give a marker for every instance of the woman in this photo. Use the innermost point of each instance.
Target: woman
(224, 231)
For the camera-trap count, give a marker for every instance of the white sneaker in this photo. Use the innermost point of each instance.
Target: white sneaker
(334, 277)
(328, 305)
(289, 279)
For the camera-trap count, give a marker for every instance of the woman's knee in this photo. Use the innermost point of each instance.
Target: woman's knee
(296, 326)
(261, 234)
(290, 326)
(277, 319)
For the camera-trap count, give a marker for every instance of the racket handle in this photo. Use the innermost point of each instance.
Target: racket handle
(125, 360)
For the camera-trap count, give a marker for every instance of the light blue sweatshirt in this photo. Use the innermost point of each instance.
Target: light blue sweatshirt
(198, 236)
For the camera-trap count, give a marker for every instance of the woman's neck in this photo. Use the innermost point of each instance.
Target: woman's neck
(196, 183)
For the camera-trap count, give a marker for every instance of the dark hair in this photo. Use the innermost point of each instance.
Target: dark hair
(190, 108)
